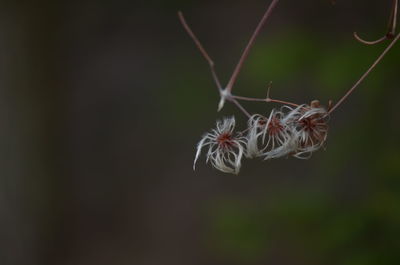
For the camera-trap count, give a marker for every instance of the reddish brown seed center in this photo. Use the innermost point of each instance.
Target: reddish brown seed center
(308, 124)
(275, 126)
(225, 140)
(315, 126)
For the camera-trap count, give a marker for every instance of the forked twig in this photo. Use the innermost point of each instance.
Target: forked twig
(225, 93)
(365, 74)
(391, 28)
(244, 55)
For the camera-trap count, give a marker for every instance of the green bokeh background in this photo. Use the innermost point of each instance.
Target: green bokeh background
(103, 102)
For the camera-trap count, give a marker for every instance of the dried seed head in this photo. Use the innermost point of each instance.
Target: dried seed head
(225, 149)
(269, 137)
(311, 128)
(256, 124)
(280, 136)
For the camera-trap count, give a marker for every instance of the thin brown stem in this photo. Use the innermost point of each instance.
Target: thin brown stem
(393, 19)
(249, 45)
(266, 100)
(201, 48)
(282, 102)
(365, 74)
(234, 101)
(250, 99)
(366, 42)
(391, 27)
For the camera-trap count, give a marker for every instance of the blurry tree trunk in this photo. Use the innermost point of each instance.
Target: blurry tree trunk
(30, 123)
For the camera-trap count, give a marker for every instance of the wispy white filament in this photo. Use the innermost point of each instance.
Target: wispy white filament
(255, 132)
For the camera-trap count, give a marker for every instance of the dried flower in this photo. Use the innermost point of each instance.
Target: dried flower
(225, 150)
(256, 126)
(310, 128)
(270, 137)
(281, 140)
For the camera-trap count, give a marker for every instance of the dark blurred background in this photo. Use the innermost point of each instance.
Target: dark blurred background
(103, 102)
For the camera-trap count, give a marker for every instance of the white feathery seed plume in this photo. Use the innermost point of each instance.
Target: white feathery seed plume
(225, 150)
(310, 128)
(281, 139)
